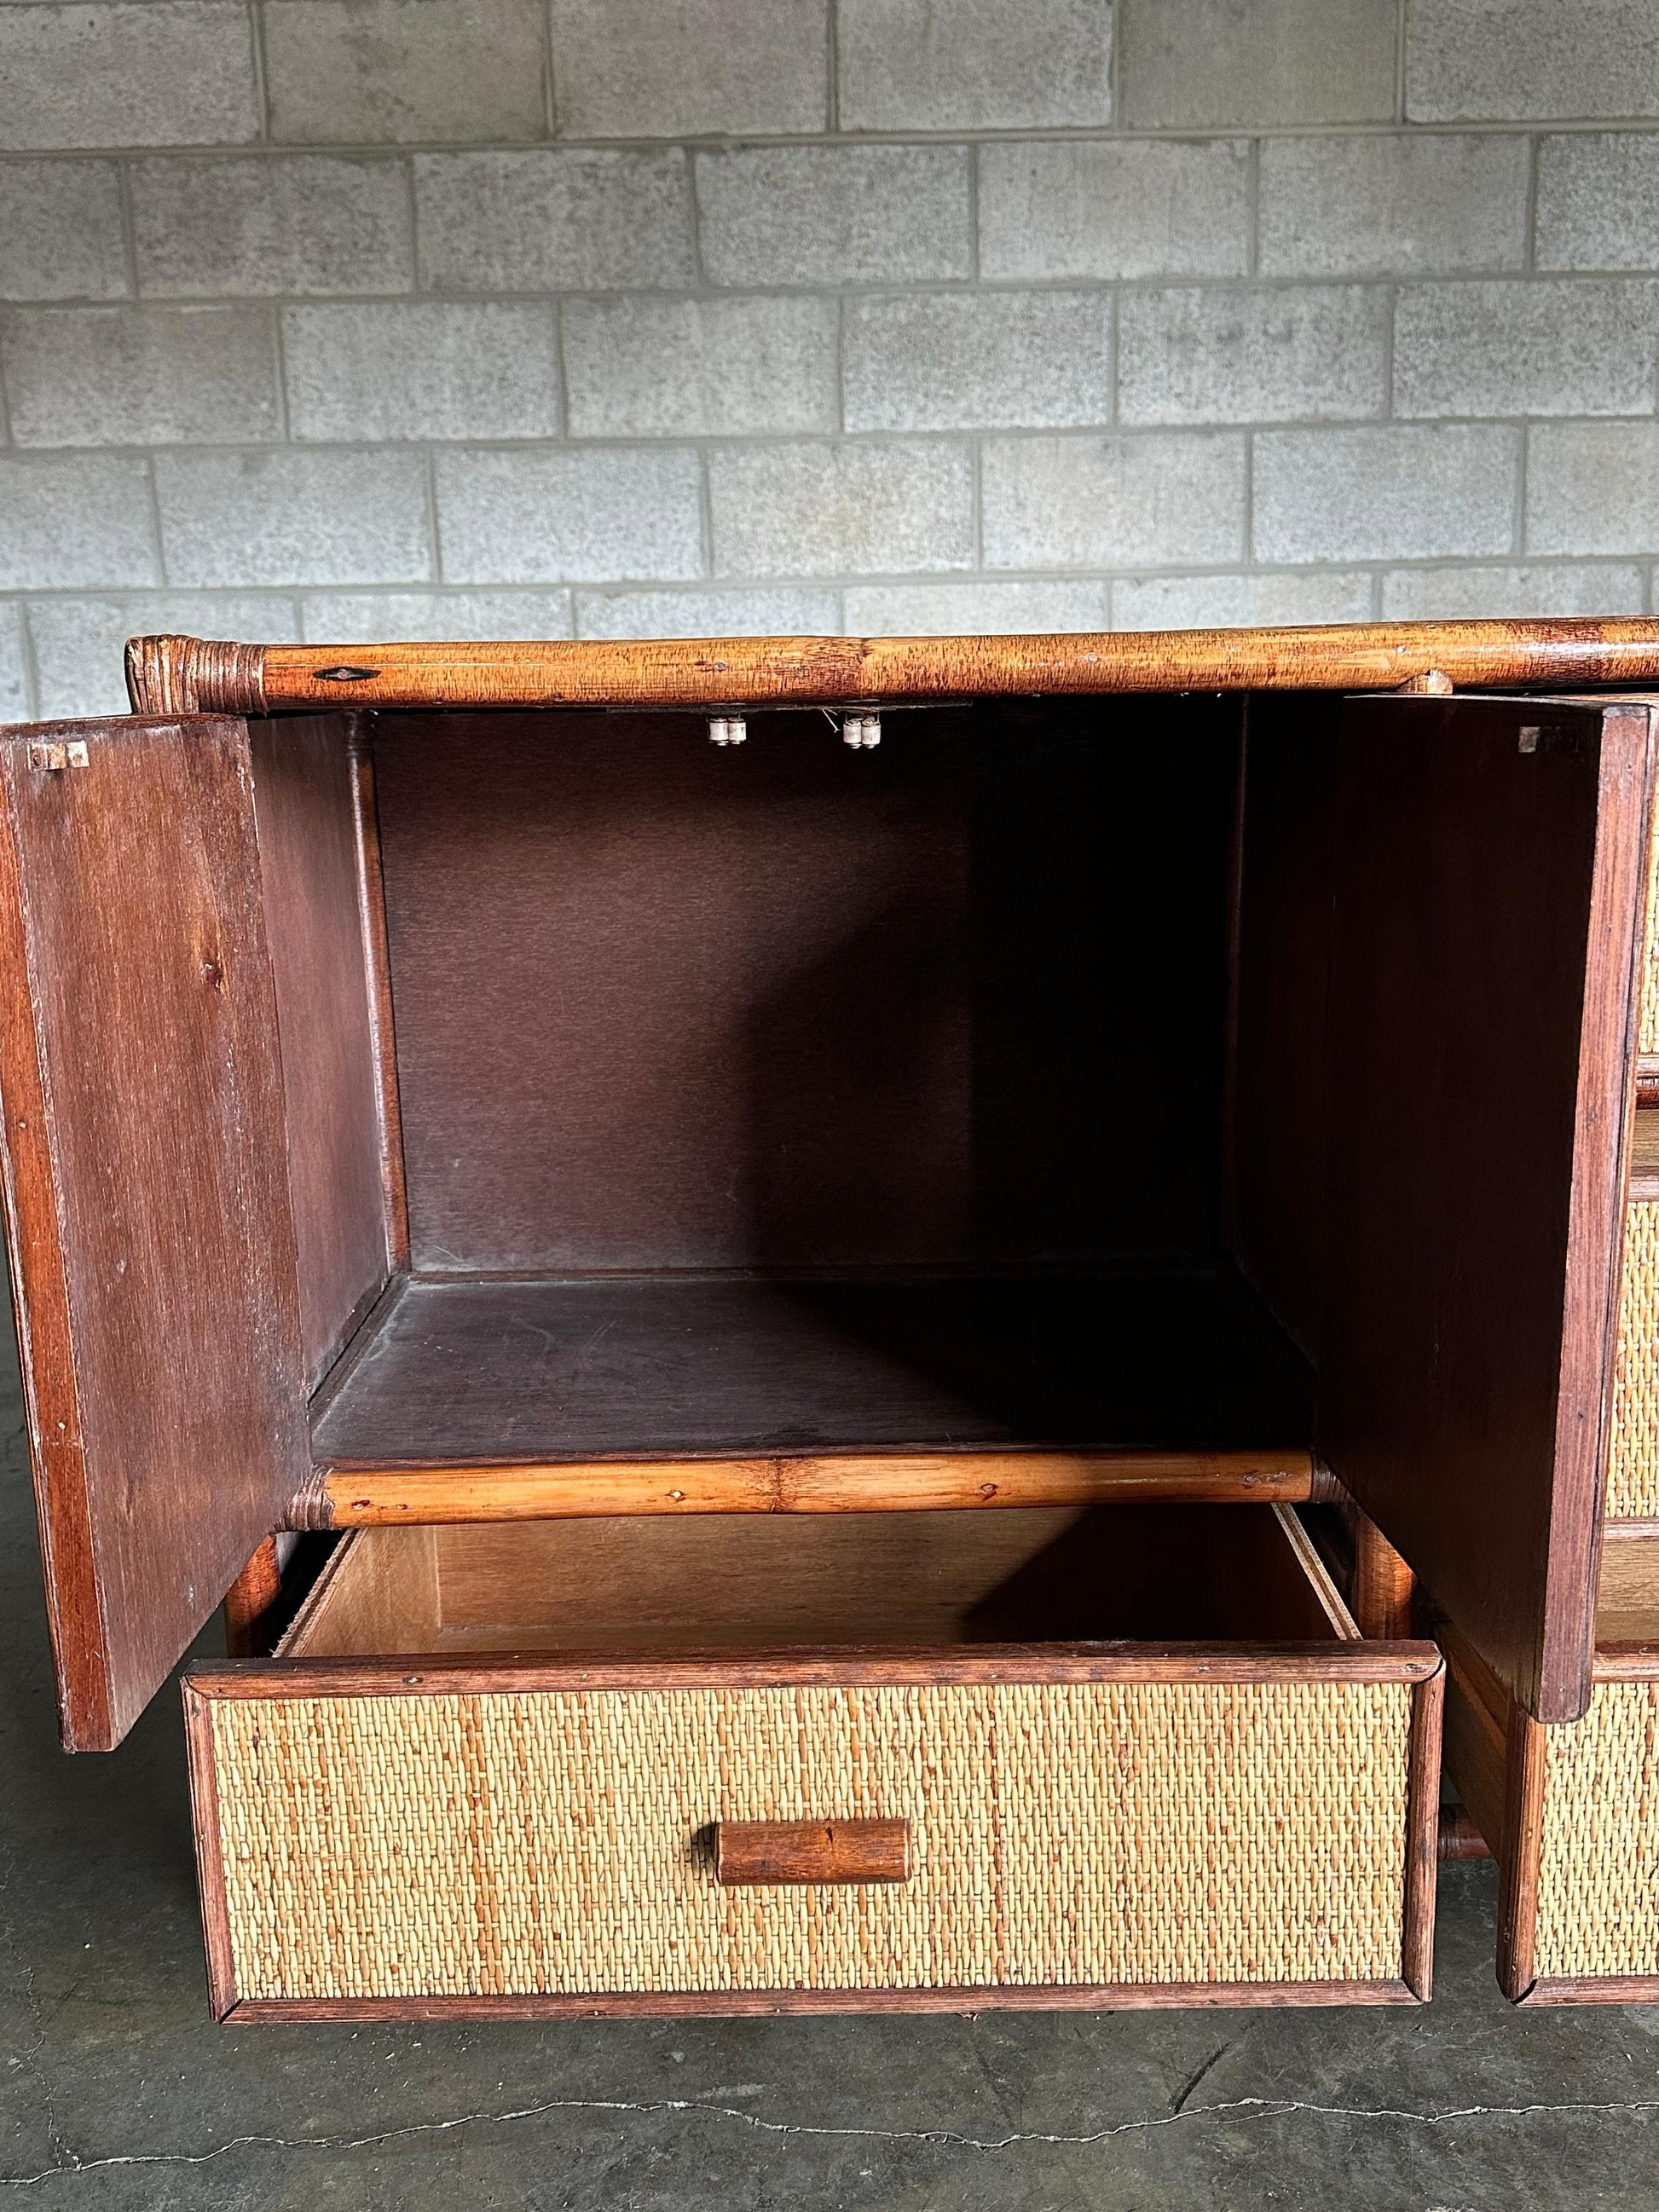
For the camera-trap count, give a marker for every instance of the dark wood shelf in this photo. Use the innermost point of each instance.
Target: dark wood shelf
(486, 1370)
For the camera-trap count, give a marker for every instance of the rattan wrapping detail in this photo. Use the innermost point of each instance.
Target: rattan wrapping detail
(549, 1843)
(1598, 1883)
(1633, 1470)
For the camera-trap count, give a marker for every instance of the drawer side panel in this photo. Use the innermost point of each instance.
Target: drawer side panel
(1062, 1834)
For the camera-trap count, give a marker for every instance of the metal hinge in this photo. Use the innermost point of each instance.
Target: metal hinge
(55, 754)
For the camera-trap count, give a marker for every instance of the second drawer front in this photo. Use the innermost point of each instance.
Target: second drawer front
(1062, 1833)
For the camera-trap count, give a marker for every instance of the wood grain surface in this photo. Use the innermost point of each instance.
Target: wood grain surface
(540, 1370)
(1488, 889)
(752, 1583)
(151, 1241)
(304, 804)
(660, 1006)
(177, 674)
(752, 1854)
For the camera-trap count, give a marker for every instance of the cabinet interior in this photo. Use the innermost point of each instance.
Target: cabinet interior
(790, 1097)
(896, 1581)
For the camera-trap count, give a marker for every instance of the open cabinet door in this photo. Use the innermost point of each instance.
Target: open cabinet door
(1487, 882)
(151, 1242)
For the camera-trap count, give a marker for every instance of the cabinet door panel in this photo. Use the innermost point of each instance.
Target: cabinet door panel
(151, 1242)
(1488, 884)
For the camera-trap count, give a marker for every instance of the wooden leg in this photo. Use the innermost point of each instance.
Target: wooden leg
(1460, 1839)
(249, 1598)
(1382, 1583)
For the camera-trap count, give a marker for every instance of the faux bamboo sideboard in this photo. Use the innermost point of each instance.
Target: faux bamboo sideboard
(818, 1365)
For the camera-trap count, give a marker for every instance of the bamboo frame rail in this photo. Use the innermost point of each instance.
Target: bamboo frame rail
(389, 1497)
(173, 675)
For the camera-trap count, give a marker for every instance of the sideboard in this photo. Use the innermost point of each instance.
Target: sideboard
(847, 1321)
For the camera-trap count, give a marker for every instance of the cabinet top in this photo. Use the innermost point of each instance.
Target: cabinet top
(189, 674)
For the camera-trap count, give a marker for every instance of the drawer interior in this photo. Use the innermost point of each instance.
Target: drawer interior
(1014, 1575)
(1628, 1610)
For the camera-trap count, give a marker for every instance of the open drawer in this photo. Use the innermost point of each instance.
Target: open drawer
(1572, 1813)
(1131, 1755)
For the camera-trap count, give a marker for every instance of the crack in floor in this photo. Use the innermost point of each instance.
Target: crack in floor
(945, 2138)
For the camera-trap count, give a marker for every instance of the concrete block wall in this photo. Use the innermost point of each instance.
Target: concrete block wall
(347, 318)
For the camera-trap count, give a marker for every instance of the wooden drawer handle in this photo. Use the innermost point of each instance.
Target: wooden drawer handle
(748, 1852)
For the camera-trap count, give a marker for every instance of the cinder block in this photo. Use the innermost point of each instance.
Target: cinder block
(1258, 598)
(633, 69)
(1230, 64)
(552, 221)
(1113, 503)
(834, 214)
(127, 73)
(975, 609)
(390, 617)
(972, 360)
(136, 376)
(1537, 346)
(1133, 207)
(974, 64)
(421, 368)
(60, 231)
(1395, 204)
(802, 613)
(548, 516)
(1495, 60)
(294, 518)
(1598, 201)
(80, 644)
(1593, 487)
(1514, 589)
(393, 72)
(841, 509)
(1385, 493)
(691, 368)
(16, 704)
(1215, 354)
(255, 224)
(73, 520)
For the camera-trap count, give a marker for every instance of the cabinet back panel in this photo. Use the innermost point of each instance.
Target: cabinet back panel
(958, 1001)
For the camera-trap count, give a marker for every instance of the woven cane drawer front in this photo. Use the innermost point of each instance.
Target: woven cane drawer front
(1633, 1471)
(1062, 1833)
(1598, 1880)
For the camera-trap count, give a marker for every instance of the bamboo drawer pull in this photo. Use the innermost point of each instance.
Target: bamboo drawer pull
(752, 1851)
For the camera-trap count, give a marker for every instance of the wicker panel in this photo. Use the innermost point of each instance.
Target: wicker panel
(548, 1842)
(1633, 1472)
(1598, 1892)
(1647, 1024)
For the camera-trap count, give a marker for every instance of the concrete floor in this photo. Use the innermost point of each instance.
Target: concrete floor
(120, 2092)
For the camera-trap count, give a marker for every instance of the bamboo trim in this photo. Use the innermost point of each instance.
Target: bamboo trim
(176, 675)
(344, 1496)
